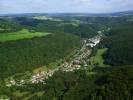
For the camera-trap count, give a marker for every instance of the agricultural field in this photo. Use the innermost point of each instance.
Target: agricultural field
(21, 35)
(46, 18)
(98, 59)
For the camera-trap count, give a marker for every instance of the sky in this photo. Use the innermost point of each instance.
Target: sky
(64, 6)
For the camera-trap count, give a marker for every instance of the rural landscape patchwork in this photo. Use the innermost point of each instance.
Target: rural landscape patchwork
(66, 56)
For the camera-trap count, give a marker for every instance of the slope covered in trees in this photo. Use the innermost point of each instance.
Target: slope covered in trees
(22, 55)
(66, 26)
(120, 42)
(115, 85)
(95, 83)
(7, 25)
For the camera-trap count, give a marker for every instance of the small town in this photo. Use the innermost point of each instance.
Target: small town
(75, 64)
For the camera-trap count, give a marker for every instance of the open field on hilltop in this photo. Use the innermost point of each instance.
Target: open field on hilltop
(42, 18)
(46, 18)
(98, 59)
(21, 35)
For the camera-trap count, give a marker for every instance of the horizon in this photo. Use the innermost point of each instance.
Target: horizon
(68, 13)
(67, 6)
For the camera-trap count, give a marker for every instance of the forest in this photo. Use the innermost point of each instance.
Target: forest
(110, 77)
(119, 42)
(34, 53)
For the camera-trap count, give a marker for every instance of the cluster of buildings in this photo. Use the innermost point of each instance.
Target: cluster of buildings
(93, 41)
(77, 62)
(13, 82)
(35, 79)
(79, 59)
(41, 76)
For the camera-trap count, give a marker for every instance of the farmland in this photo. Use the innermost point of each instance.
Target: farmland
(24, 33)
(46, 18)
(98, 59)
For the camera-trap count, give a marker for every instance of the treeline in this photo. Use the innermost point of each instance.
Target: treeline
(7, 25)
(85, 27)
(120, 43)
(115, 85)
(28, 54)
(81, 29)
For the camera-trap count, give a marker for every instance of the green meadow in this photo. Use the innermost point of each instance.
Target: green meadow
(98, 59)
(47, 18)
(21, 35)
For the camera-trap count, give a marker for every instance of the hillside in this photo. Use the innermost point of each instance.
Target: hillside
(28, 54)
(120, 42)
(83, 58)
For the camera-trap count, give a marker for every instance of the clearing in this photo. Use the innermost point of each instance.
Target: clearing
(98, 59)
(21, 35)
(47, 18)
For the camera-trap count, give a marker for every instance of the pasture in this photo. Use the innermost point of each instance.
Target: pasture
(21, 35)
(47, 18)
(98, 59)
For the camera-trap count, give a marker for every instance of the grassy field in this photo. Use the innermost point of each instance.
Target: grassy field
(19, 94)
(21, 35)
(47, 18)
(42, 18)
(98, 59)
(4, 97)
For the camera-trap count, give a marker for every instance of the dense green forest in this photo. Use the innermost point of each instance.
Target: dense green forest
(7, 25)
(110, 78)
(22, 55)
(120, 42)
(65, 26)
(115, 85)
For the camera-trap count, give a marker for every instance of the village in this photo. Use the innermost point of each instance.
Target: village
(76, 63)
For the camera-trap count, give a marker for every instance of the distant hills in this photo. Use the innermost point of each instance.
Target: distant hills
(123, 13)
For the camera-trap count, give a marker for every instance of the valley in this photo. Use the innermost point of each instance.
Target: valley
(65, 57)
(78, 60)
